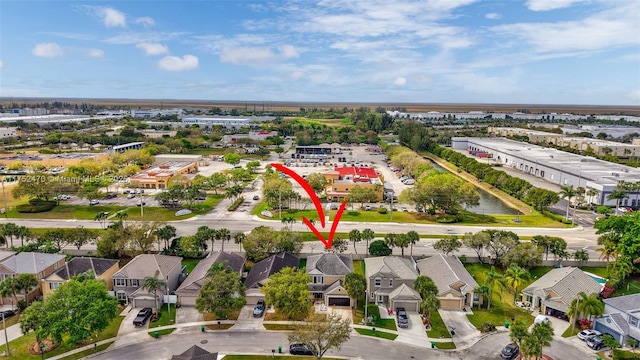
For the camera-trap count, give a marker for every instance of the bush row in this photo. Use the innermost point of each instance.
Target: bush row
(236, 204)
(28, 208)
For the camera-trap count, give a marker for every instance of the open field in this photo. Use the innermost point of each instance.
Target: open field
(295, 106)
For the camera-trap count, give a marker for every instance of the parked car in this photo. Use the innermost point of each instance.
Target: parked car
(586, 334)
(125, 191)
(256, 197)
(141, 203)
(258, 310)
(367, 207)
(7, 314)
(404, 208)
(510, 351)
(541, 319)
(131, 196)
(402, 318)
(110, 196)
(94, 202)
(300, 349)
(142, 317)
(595, 342)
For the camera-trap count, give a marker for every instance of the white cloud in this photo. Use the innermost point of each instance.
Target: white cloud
(146, 21)
(545, 5)
(400, 81)
(48, 50)
(493, 16)
(112, 17)
(256, 56)
(153, 49)
(95, 53)
(147, 37)
(176, 63)
(634, 95)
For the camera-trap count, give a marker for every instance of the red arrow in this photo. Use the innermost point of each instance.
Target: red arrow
(316, 201)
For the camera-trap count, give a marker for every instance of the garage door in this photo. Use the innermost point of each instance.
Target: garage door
(188, 300)
(450, 304)
(408, 305)
(338, 301)
(143, 303)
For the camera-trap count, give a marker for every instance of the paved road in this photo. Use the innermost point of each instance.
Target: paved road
(358, 347)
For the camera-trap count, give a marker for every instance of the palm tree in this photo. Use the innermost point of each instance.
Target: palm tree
(585, 305)
(591, 193)
(567, 192)
(540, 337)
(493, 277)
(102, 217)
(608, 250)
(165, 233)
(368, 235)
(9, 230)
(429, 305)
(22, 232)
(26, 282)
(424, 285)
(355, 236)
(482, 290)
(9, 287)
(617, 195)
(390, 240)
(152, 284)
(581, 256)
(122, 216)
(413, 237)
(514, 276)
(224, 235)
(207, 234)
(238, 238)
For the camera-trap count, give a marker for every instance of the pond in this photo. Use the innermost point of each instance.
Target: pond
(489, 204)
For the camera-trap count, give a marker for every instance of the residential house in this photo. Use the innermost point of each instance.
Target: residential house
(621, 318)
(128, 281)
(37, 264)
(341, 180)
(553, 293)
(455, 284)
(385, 275)
(103, 269)
(190, 287)
(326, 278)
(261, 271)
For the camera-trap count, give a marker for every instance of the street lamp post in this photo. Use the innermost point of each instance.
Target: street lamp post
(4, 196)
(6, 338)
(366, 306)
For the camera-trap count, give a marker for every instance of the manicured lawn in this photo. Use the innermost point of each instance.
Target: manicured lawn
(358, 267)
(438, 328)
(569, 333)
(267, 357)
(190, 264)
(10, 321)
(85, 353)
(231, 315)
(385, 324)
(445, 345)
(167, 317)
(79, 212)
(20, 346)
(502, 304)
(600, 271)
(377, 333)
(287, 327)
(219, 327)
(632, 286)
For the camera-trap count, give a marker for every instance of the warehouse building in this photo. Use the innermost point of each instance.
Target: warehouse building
(555, 166)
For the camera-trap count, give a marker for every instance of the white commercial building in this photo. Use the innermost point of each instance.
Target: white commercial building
(156, 113)
(8, 132)
(555, 166)
(253, 135)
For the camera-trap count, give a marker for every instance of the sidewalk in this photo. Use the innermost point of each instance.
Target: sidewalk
(13, 332)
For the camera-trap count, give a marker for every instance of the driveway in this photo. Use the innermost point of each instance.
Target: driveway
(344, 312)
(187, 314)
(415, 334)
(559, 326)
(246, 321)
(457, 320)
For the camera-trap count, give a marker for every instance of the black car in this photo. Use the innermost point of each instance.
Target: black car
(256, 197)
(510, 351)
(401, 316)
(143, 316)
(258, 310)
(300, 349)
(7, 314)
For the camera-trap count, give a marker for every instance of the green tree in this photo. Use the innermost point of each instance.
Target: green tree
(581, 256)
(617, 195)
(513, 277)
(264, 241)
(238, 238)
(524, 254)
(287, 291)
(539, 338)
(429, 305)
(355, 236)
(9, 287)
(567, 192)
(222, 292)
(317, 181)
(448, 244)
(356, 285)
(413, 237)
(232, 159)
(359, 194)
(77, 310)
(368, 235)
(624, 232)
(541, 198)
(493, 278)
(322, 333)
(424, 285)
(518, 332)
(379, 248)
(477, 242)
(152, 284)
(217, 181)
(224, 235)
(26, 283)
(543, 242)
(165, 234)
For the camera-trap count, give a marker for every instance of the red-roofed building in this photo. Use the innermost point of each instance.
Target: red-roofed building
(342, 180)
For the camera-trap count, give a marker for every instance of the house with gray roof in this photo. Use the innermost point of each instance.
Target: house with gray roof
(189, 290)
(621, 318)
(262, 270)
(455, 284)
(553, 293)
(387, 273)
(39, 265)
(103, 269)
(326, 278)
(195, 353)
(128, 281)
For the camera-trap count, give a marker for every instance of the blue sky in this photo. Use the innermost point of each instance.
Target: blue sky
(455, 51)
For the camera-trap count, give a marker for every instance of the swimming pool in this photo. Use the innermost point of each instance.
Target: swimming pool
(597, 278)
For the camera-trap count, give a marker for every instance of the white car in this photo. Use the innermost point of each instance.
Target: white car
(586, 334)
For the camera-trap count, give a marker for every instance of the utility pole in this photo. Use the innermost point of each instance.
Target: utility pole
(391, 207)
(6, 338)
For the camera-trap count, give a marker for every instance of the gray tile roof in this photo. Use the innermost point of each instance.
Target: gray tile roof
(81, 265)
(404, 292)
(626, 303)
(195, 353)
(398, 267)
(197, 277)
(336, 284)
(566, 282)
(30, 262)
(330, 264)
(6, 254)
(145, 265)
(446, 271)
(269, 266)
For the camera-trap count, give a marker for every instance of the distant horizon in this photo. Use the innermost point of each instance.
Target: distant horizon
(545, 52)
